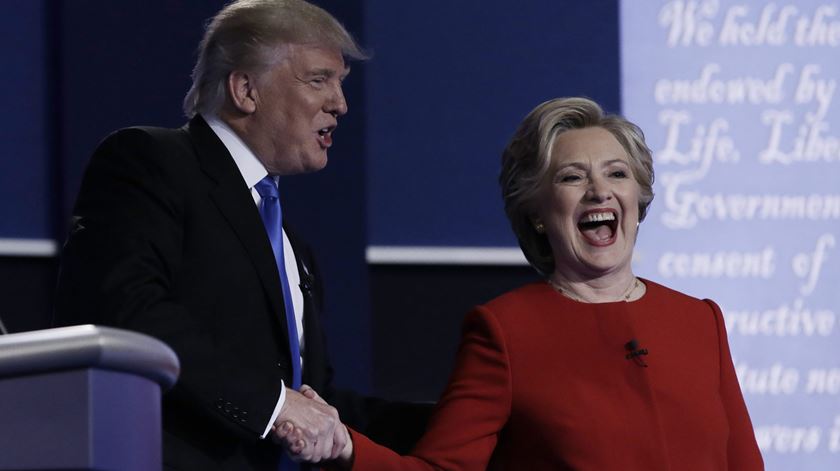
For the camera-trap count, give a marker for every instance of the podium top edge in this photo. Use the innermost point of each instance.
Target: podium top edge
(88, 346)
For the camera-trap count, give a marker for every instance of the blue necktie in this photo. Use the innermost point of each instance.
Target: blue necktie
(272, 217)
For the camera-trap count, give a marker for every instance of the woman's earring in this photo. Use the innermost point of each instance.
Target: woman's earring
(539, 227)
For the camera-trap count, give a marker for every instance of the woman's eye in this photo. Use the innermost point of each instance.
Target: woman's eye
(618, 174)
(570, 178)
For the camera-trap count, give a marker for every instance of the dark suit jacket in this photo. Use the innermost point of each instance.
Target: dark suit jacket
(167, 240)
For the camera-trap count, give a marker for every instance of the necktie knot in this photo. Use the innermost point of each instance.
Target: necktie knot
(267, 188)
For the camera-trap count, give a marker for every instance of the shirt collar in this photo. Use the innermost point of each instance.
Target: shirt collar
(249, 165)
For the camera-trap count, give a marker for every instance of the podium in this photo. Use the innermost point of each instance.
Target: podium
(82, 398)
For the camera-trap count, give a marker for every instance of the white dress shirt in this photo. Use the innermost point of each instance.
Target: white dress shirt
(253, 171)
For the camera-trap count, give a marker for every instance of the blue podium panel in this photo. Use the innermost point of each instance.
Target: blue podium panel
(86, 419)
(82, 398)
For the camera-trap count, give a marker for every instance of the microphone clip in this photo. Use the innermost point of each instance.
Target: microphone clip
(636, 353)
(306, 282)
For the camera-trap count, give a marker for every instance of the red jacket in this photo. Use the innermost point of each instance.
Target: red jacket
(543, 382)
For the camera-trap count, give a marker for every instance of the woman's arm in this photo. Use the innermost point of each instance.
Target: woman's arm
(743, 453)
(464, 428)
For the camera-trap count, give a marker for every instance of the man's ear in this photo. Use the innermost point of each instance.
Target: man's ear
(242, 91)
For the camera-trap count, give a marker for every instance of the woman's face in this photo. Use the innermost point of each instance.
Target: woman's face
(590, 204)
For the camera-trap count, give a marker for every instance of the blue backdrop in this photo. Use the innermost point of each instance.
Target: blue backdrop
(25, 174)
(447, 86)
(736, 99)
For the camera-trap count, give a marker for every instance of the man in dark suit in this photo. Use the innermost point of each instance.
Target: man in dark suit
(177, 233)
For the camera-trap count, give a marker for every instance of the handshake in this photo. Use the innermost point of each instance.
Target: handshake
(310, 429)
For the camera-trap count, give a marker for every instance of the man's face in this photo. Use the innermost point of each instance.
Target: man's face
(298, 102)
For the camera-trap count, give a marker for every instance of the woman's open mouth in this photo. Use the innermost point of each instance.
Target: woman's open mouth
(599, 226)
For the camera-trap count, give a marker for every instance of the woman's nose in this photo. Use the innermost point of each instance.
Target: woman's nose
(598, 190)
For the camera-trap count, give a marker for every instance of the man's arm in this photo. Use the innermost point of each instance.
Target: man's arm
(310, 429)
(126, 265)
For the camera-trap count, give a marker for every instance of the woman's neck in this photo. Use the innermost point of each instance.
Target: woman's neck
(622, 286)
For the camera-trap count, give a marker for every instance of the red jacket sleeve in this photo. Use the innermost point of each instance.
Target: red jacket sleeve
(742, 450)
(464, 429)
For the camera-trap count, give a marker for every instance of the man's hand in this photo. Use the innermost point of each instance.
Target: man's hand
(309, 427)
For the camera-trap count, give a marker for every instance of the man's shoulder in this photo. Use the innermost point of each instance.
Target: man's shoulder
(148, 136)
(148, 145)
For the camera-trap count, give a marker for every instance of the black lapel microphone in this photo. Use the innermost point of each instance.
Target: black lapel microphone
(306, 281)
(636, 353)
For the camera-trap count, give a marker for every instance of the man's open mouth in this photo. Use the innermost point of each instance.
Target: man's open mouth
(325, 136)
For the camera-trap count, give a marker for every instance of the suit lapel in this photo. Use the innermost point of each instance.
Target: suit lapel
(235, 203)
(315, 355)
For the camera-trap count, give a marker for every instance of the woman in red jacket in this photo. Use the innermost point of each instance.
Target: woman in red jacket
(595, 368)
